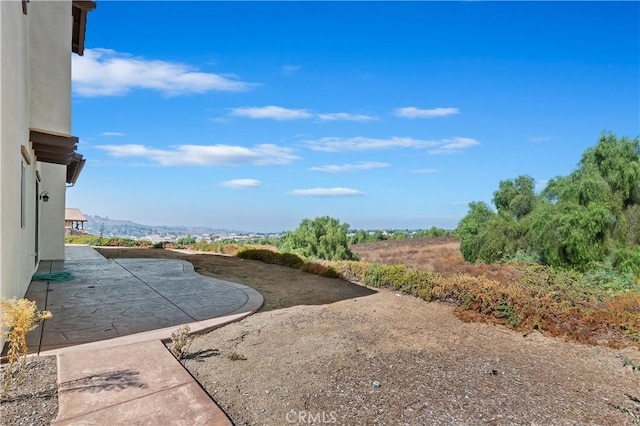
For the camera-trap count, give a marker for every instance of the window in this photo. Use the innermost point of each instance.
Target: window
(23, 195)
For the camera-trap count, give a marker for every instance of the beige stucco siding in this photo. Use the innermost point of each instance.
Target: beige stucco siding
(52, 212)
(50, 108)
(35, 93)
(50, 66)
(17, 243)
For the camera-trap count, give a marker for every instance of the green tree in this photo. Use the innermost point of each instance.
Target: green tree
(515, 197)
(399, 235)
(570, 235)
(321, 238)
(580, 220)
(617, 161)
(471, 228)
(360, 236)
(378, 236)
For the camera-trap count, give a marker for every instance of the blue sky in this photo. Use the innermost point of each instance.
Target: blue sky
(253, 116)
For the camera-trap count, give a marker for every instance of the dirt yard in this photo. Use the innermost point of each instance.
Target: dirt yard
(324, 351)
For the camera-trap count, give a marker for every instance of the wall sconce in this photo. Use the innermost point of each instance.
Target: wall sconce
(44, 196)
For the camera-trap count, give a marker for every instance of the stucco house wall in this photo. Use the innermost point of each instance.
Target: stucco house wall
(49, 56)
(35, 95)
(17, 239)
(52, 212)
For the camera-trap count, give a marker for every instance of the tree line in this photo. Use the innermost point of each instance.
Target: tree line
(327, 238)
(581, 221)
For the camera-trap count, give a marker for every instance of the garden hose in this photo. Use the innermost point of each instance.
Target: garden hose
(57, 277)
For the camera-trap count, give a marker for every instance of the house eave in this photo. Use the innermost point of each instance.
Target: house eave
(53, 148)
(79, 12)
(74, 168)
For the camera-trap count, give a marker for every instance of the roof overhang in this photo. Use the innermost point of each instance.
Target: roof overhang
(51, 148)
(79, 12)
(74, 168)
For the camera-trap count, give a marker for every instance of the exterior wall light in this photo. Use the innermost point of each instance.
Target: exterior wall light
(44, 196)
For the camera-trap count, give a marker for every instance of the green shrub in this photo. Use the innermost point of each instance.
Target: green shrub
(506, 311)
(372, 275)
(400, 278)
(186, 240)
(351, 270)
(627, 260)
(604, 276)
(123, 242)
(433, 232)
(266, 256)
(94, 240)
(523, 256)
(88, 239)
(291, 260)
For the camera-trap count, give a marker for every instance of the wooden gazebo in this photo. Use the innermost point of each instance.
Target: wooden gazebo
(74, 221)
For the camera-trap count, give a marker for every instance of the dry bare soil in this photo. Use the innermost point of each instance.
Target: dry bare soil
(324, 351)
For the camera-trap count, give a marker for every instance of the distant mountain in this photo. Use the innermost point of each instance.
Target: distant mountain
(108, 227)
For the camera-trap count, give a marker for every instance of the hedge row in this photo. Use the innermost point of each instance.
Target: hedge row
(94, 240)
(554, 300)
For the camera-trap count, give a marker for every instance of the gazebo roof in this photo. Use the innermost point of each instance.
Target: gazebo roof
(74, 215)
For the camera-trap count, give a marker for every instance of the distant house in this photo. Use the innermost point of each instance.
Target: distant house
(38, 155)
(74, 221)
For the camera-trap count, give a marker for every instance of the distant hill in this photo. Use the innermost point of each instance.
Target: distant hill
(108, 227)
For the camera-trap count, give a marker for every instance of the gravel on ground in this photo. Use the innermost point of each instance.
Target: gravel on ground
(324, 351)
(33, 400)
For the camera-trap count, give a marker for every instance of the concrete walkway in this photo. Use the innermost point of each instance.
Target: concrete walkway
(107, 328)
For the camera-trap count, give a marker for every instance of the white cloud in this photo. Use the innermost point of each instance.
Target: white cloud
(272, 112)
(359, 143)
(241, 183)
(413, 112)
(344, 116)
(109, 134)
(453, 145)
(349, 167)
(206, 155)
(424, 171)
(326, 192)
(290, 69)
(275, 112)
(105, 72)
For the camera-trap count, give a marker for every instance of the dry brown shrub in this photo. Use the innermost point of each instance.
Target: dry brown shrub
(180, 341)
(319, 268)
(622, 303)
(229, 249)
(17, 318)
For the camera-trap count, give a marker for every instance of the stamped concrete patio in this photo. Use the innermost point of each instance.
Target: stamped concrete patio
(106, 331)
(110, 299)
